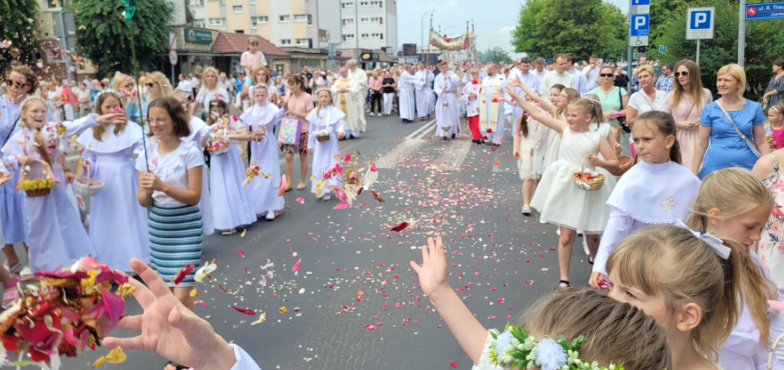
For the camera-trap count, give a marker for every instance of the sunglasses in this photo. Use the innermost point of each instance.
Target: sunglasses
(18, 84)
(150, 84)
(678, 74)
(129, 86)
(606, 75)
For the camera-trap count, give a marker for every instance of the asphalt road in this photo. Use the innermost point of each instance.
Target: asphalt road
(355, 303)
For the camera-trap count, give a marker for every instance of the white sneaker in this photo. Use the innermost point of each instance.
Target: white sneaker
(543, 222)
(371, 114)
(270, 216)
(327, 197)
(229, 232)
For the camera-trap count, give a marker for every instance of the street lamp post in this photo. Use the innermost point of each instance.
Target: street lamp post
(422, 27)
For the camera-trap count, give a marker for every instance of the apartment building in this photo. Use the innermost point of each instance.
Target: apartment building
(359, 24)
(282, 22)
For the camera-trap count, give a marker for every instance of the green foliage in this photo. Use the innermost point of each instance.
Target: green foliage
(582, 27)
(496, 54)
(663, 10)
(762, 45)
(104, 35)
(18, 24)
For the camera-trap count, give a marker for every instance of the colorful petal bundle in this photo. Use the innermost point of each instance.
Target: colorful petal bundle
(73, 308)
(351, 182)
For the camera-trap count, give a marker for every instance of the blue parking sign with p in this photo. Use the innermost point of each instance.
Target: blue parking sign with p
(640, 25)
(701, 20)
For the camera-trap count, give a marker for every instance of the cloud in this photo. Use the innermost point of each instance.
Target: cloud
(506, 30)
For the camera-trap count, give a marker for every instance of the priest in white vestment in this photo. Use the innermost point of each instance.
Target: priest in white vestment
(406, 100)
(361, 80)
(346, 97)
(424, 93)
(447, 113)
(491, 106)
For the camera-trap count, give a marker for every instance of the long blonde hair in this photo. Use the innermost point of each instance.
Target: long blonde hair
(735, 191)
(614, 332)
(38, 137)
(671, 261)
(162, 81)
(99, 130)
(204, 77)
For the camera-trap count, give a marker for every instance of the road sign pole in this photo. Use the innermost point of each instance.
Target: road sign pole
(698, 53)
(742, 32)
(628, 47)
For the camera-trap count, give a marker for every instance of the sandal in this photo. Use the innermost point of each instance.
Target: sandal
(563, 284)
(301, 186)
(15, 268)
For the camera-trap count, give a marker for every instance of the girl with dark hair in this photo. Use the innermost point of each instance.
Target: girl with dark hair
(776, 84)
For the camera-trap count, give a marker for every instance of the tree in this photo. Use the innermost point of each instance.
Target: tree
(762, 46)
(104, 35)
(496, 54)
(582, 27)
(19, 32)
(661, 12)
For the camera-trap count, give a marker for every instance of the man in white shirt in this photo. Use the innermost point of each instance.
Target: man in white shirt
(529, 79)
(539, 69)
(591, 72)
(425, 100)
(557, 76)
(406, 100)
(185, 87)
(579, 77)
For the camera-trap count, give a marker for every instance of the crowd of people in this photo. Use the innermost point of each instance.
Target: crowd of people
(677, 196)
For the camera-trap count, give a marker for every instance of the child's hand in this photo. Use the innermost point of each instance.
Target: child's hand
(116, 118)
(433, 274)
(516, 155)
(596, 278)
(4, 177)
(150, 182)
(593, 160)
(618, 148)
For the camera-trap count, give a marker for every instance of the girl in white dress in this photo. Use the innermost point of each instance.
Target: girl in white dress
(119, 224)
(658, 190)
(558, 199)
(261, 119)
(615, 333)
(690, 282)
(325, 120)
(523, 152)
(733, 204)
(200, 133)
(55, 234)
(231, 202)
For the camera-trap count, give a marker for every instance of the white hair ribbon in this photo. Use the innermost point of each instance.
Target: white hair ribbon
(713, 242)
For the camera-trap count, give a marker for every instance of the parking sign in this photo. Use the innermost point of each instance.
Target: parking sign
(639, 30)
(699, 23)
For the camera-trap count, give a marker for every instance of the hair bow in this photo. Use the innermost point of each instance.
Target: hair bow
(713, 242)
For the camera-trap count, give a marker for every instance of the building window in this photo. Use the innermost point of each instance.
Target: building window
(237, 8)
(310, 19)
(285, 18)
(218, 22)
(348, 5)
(251, 1)
(363, 3)
(377, 3)
(254, 21)
(198, 23)
(376, 20)
(303, 42)
(348, 37)
(239, 31)
(197, 3)
(364, 19)
(377, 36)
(364, 35)
(300, 17)
(285, 41)
(348, 21)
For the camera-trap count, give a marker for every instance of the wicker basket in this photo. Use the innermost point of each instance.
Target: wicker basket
(38, 192)
(87, 187)
(626, 163)
(582, 181)
(322, 138)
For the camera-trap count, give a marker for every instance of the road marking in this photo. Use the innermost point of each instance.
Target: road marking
(420, 130)
(394, 156)
(455, 155)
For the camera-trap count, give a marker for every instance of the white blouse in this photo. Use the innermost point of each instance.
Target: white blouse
(172, 168)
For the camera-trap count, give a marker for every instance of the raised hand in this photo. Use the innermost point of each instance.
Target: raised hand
(433, 274)
(170, 329)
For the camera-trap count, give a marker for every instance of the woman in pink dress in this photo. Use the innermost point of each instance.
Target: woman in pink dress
(299, 104)
(685, 109)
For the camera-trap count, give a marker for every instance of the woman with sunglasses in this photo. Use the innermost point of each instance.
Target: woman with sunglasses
(685, 103)
(21, 83)
(157, 87)
(614, 102)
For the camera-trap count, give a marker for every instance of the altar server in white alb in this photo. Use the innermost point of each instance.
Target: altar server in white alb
(424, 93)
(405, 87)
(447, 114)
(326, 127)
(260, 120)
(491, 106)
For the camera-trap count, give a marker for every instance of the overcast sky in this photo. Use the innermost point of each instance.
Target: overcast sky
(494, 20)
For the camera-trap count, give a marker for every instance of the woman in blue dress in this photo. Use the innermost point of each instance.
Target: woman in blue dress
(722, 142)
(21, 82)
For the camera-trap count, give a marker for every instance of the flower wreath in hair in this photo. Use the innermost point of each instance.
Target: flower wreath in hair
(515, 348)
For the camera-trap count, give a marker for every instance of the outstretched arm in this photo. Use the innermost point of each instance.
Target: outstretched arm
(534, 112)
(433, 278)
(535, 95)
